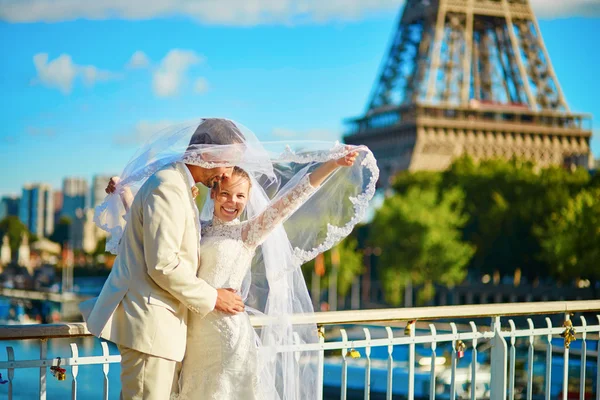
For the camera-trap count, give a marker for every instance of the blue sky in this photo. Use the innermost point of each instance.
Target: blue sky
(75, 102)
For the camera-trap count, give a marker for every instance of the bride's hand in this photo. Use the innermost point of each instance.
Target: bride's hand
(348, 159)
(229, 302)
(112, 184)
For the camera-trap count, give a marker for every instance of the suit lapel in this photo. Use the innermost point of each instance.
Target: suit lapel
(180, 167)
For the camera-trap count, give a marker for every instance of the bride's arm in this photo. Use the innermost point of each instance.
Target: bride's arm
(125, 194)
(256, 230)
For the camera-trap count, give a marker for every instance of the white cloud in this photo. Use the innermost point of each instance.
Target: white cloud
(61, 72)
(201, 85)
(141, 132)
(58, 73)
(139, 59)
(565, 8)
(172, 71)
(241, 12)
(91, 75)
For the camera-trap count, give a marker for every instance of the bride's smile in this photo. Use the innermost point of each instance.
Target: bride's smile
(231, 195)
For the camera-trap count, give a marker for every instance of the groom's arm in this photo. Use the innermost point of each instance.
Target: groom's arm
(164, 225)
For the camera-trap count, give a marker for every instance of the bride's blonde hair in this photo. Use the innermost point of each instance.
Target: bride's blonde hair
(237, 171)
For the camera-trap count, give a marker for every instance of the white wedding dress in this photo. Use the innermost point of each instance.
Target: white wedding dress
(221, 359)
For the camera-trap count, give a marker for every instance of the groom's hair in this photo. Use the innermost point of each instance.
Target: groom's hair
(217, 131)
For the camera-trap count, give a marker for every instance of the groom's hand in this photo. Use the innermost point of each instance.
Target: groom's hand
(229, 302)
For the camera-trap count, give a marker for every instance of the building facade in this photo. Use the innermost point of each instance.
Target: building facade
(9, 206)
(36, 209)
(75, 192)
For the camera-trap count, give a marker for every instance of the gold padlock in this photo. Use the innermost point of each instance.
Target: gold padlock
(354, 353)
(321, 331)
(58, 372)
(460, 349)
(409, 327)
(569, 333)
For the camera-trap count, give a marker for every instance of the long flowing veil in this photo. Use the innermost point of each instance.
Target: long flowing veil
(275, 288)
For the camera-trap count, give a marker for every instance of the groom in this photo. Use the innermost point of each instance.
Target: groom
(144, 303)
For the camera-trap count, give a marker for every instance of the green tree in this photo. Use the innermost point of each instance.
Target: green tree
(14, 228)
(505, 201)
(571, 238)
(419, 233)
(62, 230)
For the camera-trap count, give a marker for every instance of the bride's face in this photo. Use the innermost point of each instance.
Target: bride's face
(230, 197)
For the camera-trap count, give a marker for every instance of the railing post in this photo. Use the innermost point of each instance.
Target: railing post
(390, 380)
(512, 360)
(344, 383)
(583, 359)
(432, 372)
(498, 363)
(105, 367)
(74, 370)
(368, 364)
(565, 389)
(411, 363)
(548, 382)
(530, 352)
(474, 363)
(10, 356)
(321, 362)
(43, 369)
(454, 362)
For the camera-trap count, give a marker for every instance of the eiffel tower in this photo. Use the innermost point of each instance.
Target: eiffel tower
(468, 76)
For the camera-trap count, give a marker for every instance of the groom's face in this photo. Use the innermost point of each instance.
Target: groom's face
(212, 176)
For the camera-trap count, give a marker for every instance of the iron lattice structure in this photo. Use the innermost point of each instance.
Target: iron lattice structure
(469, 76)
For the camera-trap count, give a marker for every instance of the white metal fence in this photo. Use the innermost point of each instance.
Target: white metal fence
(520, 353)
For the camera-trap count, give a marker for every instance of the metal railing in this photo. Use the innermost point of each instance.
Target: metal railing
(347, 355)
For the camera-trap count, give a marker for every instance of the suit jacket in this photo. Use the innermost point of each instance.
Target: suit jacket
(143, 304)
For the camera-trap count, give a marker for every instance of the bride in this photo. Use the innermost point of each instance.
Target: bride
(247, 246)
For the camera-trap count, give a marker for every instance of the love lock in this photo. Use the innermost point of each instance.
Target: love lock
(354, 353)
(409, 327)
(58, 372)
(321, 331)
(569, 333)
(460, 349)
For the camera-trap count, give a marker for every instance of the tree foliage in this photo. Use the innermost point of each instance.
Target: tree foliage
(12, 226)
(506, 203)
(419, 232)
(571, 238)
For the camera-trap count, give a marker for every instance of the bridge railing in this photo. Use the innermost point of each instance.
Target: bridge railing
(395, 352)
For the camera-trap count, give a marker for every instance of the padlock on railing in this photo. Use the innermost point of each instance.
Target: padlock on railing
(569, 333)
(354, 353)
(321, 331)
(460, 349)
(409, 327)
(58, 372)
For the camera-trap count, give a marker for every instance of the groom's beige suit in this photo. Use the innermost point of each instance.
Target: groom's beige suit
(144, 303)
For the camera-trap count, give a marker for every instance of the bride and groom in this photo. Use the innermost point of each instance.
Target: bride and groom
(174, 301)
